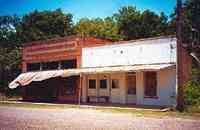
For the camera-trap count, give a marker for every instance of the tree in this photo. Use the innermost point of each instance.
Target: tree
(102, 28)
(191, 30)
(153, 24)
(45, 25)
(134, 24)
(128, 20)
(9, 49)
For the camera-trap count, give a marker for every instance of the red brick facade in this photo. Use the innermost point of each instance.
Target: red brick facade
(59, 49)
(66, 48)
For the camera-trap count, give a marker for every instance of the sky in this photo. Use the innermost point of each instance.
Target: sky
(84, 8)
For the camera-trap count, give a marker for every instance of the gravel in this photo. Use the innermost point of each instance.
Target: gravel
(12, 118)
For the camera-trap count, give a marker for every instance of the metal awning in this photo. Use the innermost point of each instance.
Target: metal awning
(110, 69)
(28, 77)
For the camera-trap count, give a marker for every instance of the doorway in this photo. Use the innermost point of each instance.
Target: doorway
(131, 87)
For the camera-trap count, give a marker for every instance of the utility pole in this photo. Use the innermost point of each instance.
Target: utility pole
(179, 65)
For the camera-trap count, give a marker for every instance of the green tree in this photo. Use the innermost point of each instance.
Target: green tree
(102, 28)
(45, 25)
(9, 49)
(134, 24)
(128, 20)
(191, 28)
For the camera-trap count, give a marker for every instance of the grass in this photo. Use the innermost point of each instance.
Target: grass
(37, 105)
(156, 114)
(134, 112)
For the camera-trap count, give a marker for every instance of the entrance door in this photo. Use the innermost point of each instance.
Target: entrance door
(131, 87)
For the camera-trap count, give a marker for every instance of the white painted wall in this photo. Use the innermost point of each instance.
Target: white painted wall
(166, 89)
(140, 52)
(116, 95)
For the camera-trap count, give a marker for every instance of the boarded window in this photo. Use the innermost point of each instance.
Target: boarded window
(150, 84)
(131, 82)
(33, 67)
(50, 65)
(115, 83)
(103, 83)
(92, 84)
(66, 64)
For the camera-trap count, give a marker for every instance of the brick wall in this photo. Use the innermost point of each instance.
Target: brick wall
(58, 49)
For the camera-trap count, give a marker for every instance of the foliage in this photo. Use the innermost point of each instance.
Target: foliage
(192, 93)
(191, 38)
(9, 49)
(44, 25)
(102, 28)
(127, 23)
(191, 28)
(133, 24)
(128, 19)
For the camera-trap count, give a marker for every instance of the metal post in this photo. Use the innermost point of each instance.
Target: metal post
(179, 67)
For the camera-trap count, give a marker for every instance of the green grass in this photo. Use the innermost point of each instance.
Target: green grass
(134, 112)
(37, 106)
(157, 114)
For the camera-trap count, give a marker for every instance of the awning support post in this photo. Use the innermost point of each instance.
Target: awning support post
(80, 88)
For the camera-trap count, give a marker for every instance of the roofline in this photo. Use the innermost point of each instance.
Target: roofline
(59, 39)
(146, 39)
(78, 37)
(117, 43)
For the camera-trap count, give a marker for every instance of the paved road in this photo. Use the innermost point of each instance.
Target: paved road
(83, 119)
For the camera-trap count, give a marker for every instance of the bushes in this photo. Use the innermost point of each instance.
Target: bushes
(192, 93)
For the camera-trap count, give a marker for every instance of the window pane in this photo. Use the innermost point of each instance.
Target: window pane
(103, 83)
(33, 67)
(131, 79)
(115, 83)
(66, 64)
(92, 84)
(150, 84)
(50, 65)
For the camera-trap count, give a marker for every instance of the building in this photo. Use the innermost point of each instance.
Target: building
(139, 72)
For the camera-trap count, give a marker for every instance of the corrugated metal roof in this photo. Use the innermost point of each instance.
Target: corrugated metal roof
(152, 67)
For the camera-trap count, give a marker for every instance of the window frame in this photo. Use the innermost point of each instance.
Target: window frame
(118, 86)
(100, 87)
(89, 83)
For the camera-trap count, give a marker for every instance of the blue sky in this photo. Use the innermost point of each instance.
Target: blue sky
(84, 8)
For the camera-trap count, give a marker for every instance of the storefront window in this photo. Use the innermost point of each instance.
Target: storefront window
(33, 67)
(115, 83)
(50, 65)
(66, 64)
(103, 83)
(92, 84)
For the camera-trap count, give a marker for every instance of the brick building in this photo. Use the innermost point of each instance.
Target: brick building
(94, 70)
